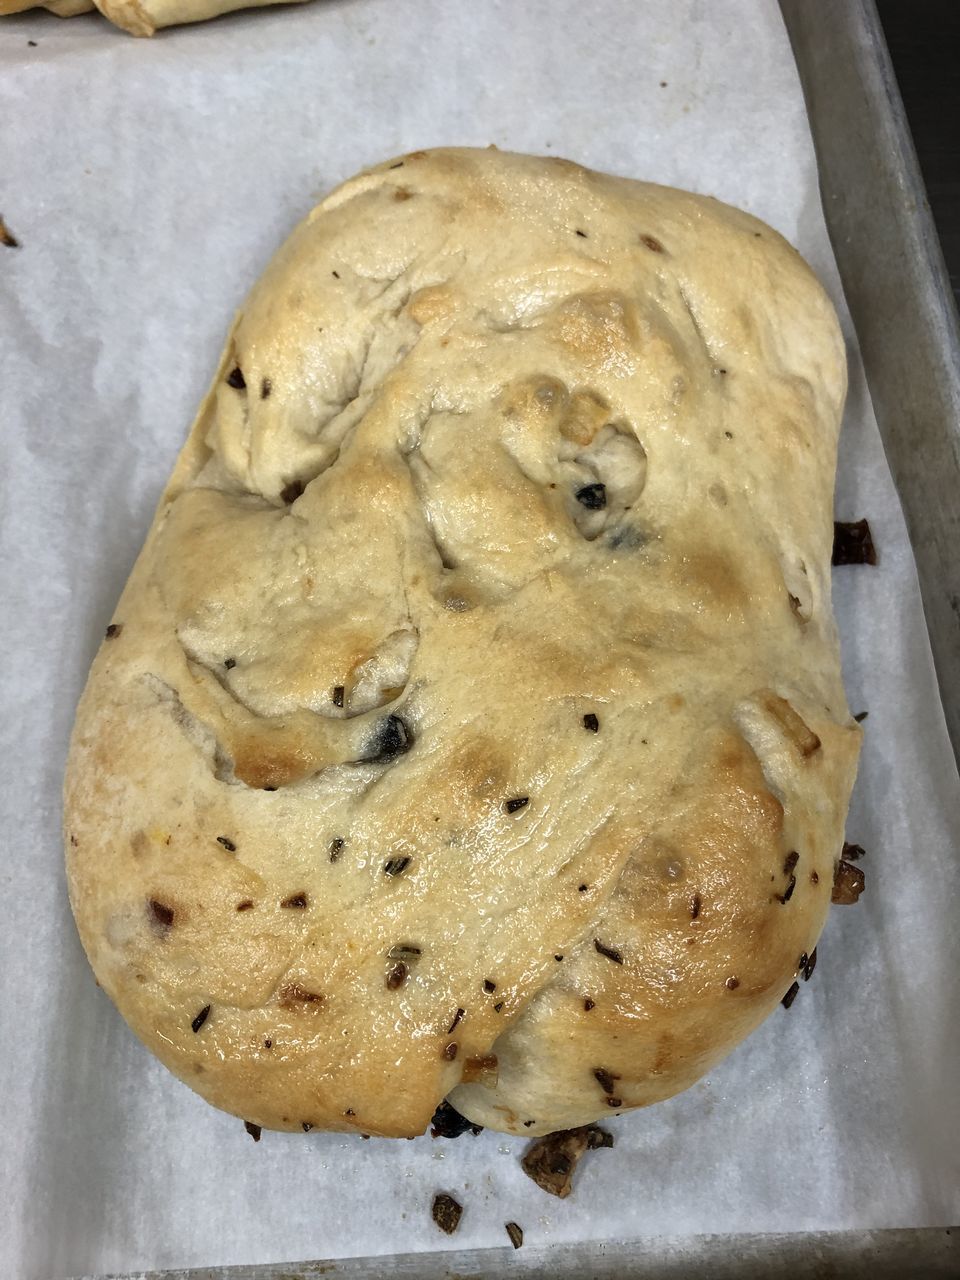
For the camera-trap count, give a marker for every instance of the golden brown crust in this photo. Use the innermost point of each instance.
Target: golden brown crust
(146, 17)
(62, 8)
(404, 758)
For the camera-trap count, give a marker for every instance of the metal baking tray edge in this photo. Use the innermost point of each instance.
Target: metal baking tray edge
(882, 1255)
(899, 296)
(898, 291)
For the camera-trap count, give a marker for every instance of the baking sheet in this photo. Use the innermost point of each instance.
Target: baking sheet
(148, 184)
(905, 315)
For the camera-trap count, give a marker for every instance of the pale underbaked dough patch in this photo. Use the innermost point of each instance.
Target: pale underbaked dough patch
(372, 611)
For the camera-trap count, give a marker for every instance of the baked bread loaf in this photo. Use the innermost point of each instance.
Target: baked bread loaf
(471, 725)
(140, 17)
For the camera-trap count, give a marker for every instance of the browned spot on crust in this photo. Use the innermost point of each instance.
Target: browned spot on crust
(713, 578)
(663, 1055)
(263, 764)
(652, 243)
(537, 396)
(484, 1070)
(470, 782)
(599, 327)
(402, 193)
(586, 414)
(433, 302)
(744, 777)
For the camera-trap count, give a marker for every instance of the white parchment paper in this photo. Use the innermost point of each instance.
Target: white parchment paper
(148, 183)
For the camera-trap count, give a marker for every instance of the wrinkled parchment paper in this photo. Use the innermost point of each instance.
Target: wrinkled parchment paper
(148, 184)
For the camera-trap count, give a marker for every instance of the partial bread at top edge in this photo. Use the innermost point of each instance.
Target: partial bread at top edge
(141, 17)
